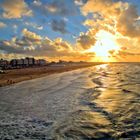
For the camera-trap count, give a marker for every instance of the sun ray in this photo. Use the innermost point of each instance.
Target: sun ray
(105, 43)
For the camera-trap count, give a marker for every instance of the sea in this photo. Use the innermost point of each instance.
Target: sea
(96, 103)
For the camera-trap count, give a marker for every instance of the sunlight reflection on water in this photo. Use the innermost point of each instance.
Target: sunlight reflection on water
(113, 106)
(101, 102)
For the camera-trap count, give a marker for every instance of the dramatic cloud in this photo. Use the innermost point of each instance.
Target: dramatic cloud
(129, 44)
(10, 56)
(34, 25)
(33, 44)
(59, 26)
(37, 2)
(30, 35)
(107, 8)
(2, 25)
(60, 7)
(80, 2)
(113, 16)
(86, 40)
(15, 9)
(129, 23)
(55, 7)
(125, 53)
(52, 8)
(105, 13)
(86, 18)
(125, 56)
(118, 18)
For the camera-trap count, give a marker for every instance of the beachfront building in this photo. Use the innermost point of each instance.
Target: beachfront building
(4, 64)
(36, 62)
(30, 61)
(22, 62)
(13, 62)
(42, 62)
(19, 62)
(26, 62)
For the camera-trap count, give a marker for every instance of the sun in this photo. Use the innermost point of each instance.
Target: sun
(105, 43)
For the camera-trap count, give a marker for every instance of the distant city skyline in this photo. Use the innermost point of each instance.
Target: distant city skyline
(71, 30)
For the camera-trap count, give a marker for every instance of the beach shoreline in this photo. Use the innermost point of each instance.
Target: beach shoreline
(18, 75)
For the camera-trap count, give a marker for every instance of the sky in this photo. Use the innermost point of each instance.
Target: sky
(70, 30)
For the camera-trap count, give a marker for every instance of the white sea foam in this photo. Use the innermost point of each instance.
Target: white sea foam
(101, 102)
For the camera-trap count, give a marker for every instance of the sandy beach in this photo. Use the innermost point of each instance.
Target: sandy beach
(18, 75)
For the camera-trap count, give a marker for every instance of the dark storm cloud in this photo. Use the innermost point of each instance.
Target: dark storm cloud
(86, 40)
(59, 26)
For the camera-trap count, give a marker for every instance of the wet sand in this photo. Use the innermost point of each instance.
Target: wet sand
(18, 75)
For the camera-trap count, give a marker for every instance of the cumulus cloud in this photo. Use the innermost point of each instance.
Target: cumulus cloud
(129, 44)
(125, 56)
(86, 40)
(32, 44)
(10, 56)
(59, 26)
(80, 2)
(10, 47)
(125, 53)
(2, 25)
(128, 22)
(34, 25)
(30, 35)
(113, 16)
(55, 7)
(61, 8)
(119, 18)
(15, 9)
(105, 13)
(37, 2)
(107, 8)
(52, 8)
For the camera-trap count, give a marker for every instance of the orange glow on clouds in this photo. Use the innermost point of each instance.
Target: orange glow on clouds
(105, 43)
